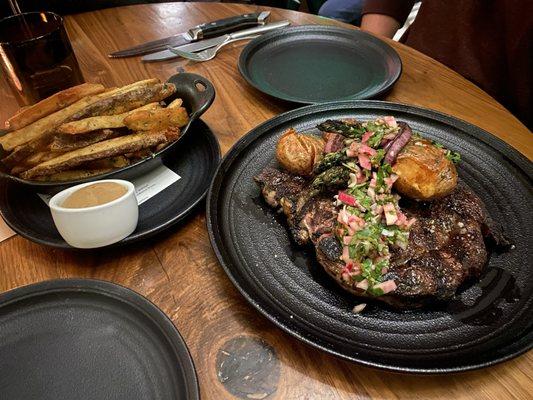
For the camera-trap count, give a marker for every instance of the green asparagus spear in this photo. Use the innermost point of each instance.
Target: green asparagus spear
(344, 128)
(330, 160)
(333, 178)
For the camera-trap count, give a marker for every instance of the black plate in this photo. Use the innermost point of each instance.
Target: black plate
(195, 160)
(197, 94)
(316, 64)
(487, 323)
(89, 339)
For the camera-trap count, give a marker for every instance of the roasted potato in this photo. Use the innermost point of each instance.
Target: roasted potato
(424, 172)
(299, 153)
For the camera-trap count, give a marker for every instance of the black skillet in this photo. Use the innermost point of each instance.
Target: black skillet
(197, 94)
(90, 339)
(489, 322)
(317, 64)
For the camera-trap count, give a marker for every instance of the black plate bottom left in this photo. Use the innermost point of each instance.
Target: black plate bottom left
(87, 339)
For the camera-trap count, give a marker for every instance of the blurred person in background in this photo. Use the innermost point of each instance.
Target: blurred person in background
(489, 42)
(348, 11)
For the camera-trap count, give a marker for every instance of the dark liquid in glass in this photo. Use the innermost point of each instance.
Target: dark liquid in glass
(36, 56)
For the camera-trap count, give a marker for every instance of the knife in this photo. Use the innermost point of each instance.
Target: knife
(207, 43)
(199, 32)
(246, 34)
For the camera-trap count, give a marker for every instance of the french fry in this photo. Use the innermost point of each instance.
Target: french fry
(146, 120)
(105, 149)
(32, 161)
(176, 103)
(160, 147)
(127, 100)
(20, 153)
(88, 130)
(52, 104)
(23, 108)
(63, 143)
(40, 157)
(111, 102)
(100, 122)
(73, 175)
(105, 163)
(140, 154)
(55, 143)
(45, 125)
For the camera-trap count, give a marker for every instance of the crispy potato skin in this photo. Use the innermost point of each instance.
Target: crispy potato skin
(107, 148)
(163, 118)
(101, 122)
(56, 102)
(115, 101)
(298, 153)
(72, 134)
(424, 172)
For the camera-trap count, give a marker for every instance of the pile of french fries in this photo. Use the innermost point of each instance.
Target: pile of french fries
(88, 130)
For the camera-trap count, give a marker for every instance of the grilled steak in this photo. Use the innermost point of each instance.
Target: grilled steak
(309, 217)
(446, 243)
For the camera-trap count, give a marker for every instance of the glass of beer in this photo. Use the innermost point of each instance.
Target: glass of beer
(36, 56)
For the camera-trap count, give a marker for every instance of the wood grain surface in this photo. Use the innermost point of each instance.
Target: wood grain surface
(178, 271)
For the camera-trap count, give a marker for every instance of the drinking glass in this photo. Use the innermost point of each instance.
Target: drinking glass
(36, 56)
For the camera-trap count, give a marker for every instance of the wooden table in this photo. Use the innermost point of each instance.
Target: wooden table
(178, 271)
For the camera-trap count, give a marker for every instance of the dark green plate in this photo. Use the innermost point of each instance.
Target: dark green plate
(317, 64)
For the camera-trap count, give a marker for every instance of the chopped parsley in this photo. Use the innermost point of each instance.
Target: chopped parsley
(453, 156)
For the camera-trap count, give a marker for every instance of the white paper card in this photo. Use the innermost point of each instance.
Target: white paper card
(146, 186)
(155, 181)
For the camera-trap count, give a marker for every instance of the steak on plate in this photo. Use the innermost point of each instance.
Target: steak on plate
(446, 243)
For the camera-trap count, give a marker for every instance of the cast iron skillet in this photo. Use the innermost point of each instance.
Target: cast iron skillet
(90, 339)
(197, 94)
(316, 64)
(488, 322)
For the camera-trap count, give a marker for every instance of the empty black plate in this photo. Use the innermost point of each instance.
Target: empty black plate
(195, 159)
(317, 64)
(486, 323)
(89, 339)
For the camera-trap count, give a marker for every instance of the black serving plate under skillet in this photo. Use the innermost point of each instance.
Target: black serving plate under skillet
(488, 322)
(316, 64)
(197, 94)
(89, 339)
(195, 159)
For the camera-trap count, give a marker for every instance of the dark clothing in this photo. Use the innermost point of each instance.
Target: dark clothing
(490, 42)
(348, 11)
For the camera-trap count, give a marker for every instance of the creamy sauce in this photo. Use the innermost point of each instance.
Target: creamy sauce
(95, 195)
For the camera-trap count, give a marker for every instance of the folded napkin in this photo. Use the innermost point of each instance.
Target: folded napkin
(5, 231)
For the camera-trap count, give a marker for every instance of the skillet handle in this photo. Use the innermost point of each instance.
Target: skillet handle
(196, 91)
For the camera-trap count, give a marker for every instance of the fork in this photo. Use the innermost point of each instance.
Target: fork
(207, 54)
(210, 53)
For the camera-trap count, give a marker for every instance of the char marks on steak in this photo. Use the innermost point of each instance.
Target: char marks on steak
(309, 217)
(446, 243)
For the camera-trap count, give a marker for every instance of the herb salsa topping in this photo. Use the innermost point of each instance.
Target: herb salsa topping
(369, 218)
